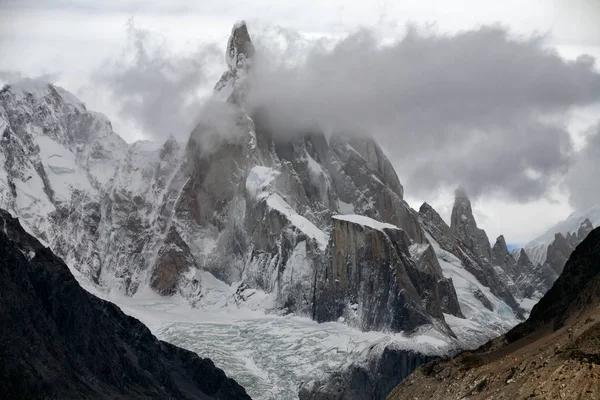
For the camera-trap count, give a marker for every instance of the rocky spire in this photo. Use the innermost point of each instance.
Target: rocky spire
(462, 215)
(464, 226)
(558, 253)
(500, 247)
(584, 229)
(239, 47)
(501, 254)
(238, 55)
(523, 258)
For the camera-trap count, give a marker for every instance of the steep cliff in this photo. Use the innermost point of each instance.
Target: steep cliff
(373, 283)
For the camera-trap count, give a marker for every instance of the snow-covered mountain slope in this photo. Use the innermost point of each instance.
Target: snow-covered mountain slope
(76, 185)
(56, 157)
(537, 248)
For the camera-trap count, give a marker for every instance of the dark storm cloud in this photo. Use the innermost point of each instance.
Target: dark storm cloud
(155, 88)
(472, 108)
(582, 180)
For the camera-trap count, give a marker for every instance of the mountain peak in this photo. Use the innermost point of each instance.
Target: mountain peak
(425, 207)
(501, 242)
(584, 229)
(523, 258)
(462, 213)
(500, 248)
(464, 226)
(239, 47)
(37, 89)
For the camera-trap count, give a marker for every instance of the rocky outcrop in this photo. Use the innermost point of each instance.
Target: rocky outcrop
(357, 183)
(533, 280)
(257, 204)
(554, 354)
(524, 279)
(371, 281)
(505, 267)
(59, 341)
(239, 47)
(173, 263)
(559, 250)
(370, 380)
(374, 156)
(558, 253)
(443, 289)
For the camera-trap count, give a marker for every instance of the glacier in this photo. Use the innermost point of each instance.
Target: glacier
(270, 355)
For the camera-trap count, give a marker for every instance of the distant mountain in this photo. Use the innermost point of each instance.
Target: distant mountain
(537, 248)
(554, 354)
(57, 341)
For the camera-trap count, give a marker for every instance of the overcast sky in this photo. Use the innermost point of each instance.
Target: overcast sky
(491, 95)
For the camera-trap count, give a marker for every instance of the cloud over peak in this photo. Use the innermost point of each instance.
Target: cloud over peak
(478, 108)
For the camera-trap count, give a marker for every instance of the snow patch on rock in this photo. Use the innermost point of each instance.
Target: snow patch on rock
(366, 221)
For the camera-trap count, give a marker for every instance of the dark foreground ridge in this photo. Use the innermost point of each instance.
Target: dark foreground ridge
(555, 354)
(57, 341)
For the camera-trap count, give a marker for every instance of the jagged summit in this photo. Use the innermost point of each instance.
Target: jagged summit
(522, 257)
(584, 229)
(238, 56)
(462, 213)
(554, 354)
(501, 244)
(239, 47)
(463, 224)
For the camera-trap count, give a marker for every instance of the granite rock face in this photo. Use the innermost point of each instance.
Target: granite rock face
(373, 283)
(59, 341)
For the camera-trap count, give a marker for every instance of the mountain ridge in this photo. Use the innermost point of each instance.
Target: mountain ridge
(553, 354)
